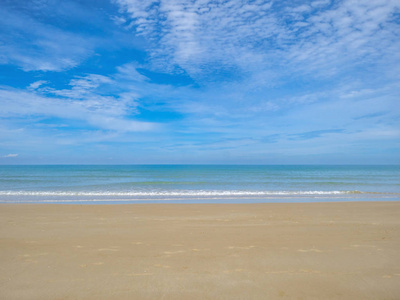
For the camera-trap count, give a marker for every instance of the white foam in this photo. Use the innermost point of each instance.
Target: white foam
(195, 193)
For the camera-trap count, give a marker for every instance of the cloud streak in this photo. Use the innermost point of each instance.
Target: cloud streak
(10, 155)
(35, 46)
(253, 36)
(78, 103)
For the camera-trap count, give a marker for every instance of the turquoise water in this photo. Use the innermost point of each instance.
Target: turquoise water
(197, 183)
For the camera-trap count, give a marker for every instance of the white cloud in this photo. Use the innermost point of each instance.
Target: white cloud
(255, 35)
(35, 46)
(10, 155)
(36, 84)
(83, 86)
(104, 112)
(190, 34)
(129, 72)
(58, 35)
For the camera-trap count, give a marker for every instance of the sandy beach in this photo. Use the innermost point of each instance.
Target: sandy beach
(201, 251)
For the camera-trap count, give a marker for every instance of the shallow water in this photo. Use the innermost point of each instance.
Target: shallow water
(197, 183)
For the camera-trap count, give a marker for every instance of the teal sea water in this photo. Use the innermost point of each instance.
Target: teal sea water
(197, 183)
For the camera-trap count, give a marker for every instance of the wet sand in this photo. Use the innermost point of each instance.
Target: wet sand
(201, 251)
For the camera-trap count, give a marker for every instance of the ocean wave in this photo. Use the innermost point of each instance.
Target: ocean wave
(196, 193)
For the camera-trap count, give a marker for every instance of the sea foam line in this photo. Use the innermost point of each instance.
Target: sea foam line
(198, 193)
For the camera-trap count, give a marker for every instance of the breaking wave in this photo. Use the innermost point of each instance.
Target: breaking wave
(199, 193)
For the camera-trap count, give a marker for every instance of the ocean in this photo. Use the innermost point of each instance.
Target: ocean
(107, 184)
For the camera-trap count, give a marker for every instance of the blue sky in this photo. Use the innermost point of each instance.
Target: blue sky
(227, 82)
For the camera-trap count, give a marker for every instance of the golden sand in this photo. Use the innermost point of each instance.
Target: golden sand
(201, 251)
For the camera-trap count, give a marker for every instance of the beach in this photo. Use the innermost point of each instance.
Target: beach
(334, 250)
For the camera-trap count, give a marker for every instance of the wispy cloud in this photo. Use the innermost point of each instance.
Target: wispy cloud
(80, 102)
(239, 79)
(56, 35)
(184, 34)
(252, 36)
(35, 46)
(36, 84)
(315, 134)
(10, 155)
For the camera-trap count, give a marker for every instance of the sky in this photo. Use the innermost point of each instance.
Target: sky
(199, 82)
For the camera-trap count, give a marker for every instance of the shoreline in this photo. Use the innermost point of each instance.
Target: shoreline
(319, 250)
(363, 197)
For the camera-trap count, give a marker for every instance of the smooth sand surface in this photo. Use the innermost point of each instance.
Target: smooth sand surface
(201, 251)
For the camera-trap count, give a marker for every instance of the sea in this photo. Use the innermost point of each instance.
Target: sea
(118, 184)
